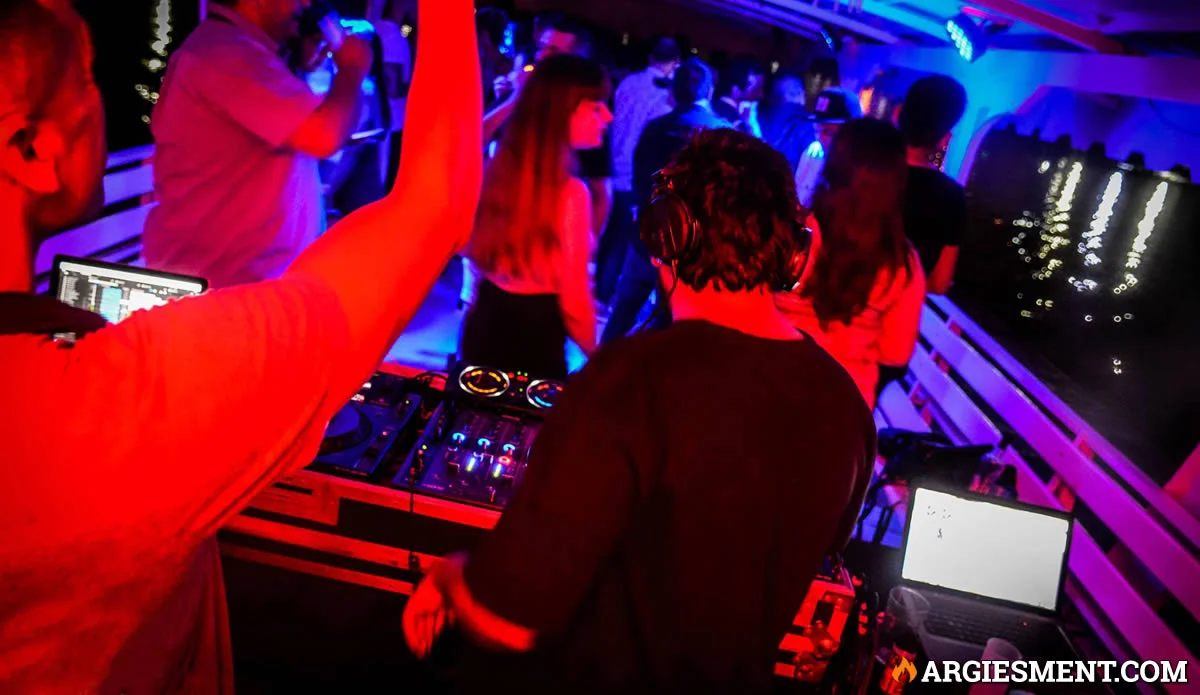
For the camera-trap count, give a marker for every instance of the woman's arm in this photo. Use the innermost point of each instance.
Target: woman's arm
(902, 320)
(575, 291)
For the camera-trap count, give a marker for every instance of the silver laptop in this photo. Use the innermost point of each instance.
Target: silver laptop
(989, 567)
(114, 290)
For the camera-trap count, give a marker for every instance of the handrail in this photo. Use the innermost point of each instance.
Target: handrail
(123, 157)
(1162, 502)
(1172, 564)
(1132, 617)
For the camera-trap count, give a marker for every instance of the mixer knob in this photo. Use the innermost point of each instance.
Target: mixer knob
(456, 439)
(508, 449)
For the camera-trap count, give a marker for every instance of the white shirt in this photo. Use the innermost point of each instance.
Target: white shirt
(235, 203)
(808, 172)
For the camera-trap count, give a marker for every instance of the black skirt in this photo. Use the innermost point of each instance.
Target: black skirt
(515, 332)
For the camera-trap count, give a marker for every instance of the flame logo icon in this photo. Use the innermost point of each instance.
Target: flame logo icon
(904, 667)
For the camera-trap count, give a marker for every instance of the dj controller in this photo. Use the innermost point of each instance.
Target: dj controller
(469, 442)
(367, 432)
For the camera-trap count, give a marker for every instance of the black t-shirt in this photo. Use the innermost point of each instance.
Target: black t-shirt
(935, 213)
(597, 163)
(680, 498)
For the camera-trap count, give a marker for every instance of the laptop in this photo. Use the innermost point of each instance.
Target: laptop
(989, 567)
(114, 290)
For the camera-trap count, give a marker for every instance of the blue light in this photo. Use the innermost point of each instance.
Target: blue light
(458, 437)
(484, 442)
(966, 37)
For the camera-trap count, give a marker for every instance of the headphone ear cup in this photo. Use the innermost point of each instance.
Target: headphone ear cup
(667, 228)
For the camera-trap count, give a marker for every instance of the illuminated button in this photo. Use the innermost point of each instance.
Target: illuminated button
(505, 460)
(471, 463)
(484, 442)
(508, 448)
(458, 437)
(497, 470)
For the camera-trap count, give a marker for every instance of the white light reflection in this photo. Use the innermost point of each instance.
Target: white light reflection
(1092, 243)
(160, 25)
(1140, 242)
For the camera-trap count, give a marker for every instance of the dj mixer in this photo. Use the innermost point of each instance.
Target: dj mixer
(372, 429)
(476, 446)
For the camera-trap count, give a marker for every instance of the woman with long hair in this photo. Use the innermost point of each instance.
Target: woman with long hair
(860, 296)
(533, 233)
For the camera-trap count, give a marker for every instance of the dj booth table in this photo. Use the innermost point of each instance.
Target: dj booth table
(319, 567)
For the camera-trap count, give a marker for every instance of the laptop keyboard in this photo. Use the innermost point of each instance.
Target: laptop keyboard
(976, 629)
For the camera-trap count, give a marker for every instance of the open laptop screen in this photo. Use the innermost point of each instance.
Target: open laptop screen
(986, 548)
(116, 291)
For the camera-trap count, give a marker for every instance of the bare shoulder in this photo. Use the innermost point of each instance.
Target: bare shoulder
(577, 192)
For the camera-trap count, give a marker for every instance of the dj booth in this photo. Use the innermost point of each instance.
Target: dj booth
(419, 465)
(319, 567)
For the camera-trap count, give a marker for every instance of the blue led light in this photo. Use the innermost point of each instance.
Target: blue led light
(458, 437)
(484, 442)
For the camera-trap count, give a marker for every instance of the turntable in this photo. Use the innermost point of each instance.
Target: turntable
(368, 431)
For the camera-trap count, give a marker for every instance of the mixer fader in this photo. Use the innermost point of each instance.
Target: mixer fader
(477, 443)
(470, 455)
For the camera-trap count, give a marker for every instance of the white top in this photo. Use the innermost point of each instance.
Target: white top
(397, 53)
(235, 203)
(808, 172)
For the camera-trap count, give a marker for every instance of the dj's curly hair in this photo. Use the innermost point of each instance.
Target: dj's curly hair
(742, 194)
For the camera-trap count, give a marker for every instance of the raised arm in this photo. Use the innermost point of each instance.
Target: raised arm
(382, 261)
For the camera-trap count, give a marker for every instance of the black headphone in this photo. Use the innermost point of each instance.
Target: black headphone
(667, 227)
(671, 234)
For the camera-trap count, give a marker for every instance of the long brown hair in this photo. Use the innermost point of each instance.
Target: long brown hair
(859, 205)
(517, 225)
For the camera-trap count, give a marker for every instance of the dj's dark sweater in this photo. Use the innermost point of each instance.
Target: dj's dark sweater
(679, 501)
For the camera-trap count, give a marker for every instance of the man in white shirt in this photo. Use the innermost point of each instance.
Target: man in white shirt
(238, 138)
(834, 107)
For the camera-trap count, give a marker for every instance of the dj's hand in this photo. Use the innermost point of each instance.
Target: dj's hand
(355, 55)
(425, 616)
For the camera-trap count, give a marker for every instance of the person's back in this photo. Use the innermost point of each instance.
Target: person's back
(746, 452)
(935, 214)
(862, 291)
(661, 139)
(685, 488)
(935, 205)
(235, 203)
(640, 98)
(533, 239)
(873, 335)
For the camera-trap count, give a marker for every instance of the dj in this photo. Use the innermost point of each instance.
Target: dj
(124, 452)
(683, 492)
